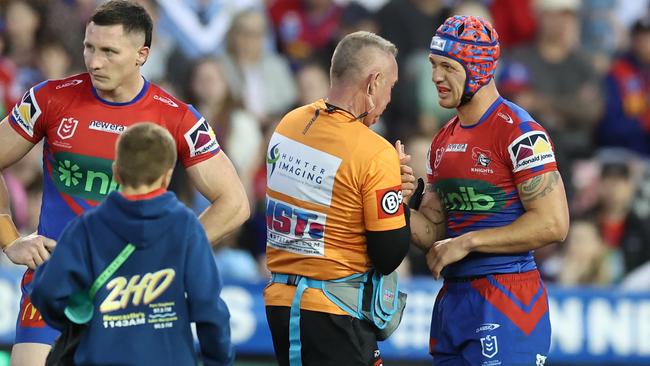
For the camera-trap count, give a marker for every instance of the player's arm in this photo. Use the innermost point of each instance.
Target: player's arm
(217, 180)
(31, 250)
(545, 220)
(428, 222)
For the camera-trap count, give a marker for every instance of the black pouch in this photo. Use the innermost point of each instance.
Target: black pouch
(62, 352)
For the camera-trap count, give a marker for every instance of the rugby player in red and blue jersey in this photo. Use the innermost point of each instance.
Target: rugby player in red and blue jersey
(493, 196)
(79, 119)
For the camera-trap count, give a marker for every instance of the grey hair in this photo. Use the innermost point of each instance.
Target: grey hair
(349, 57)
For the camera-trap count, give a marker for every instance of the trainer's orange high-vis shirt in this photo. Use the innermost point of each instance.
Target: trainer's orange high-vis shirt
(329, 179)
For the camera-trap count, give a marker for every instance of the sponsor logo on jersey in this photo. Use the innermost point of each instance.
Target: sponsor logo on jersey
(67, 128)
(106, 127)
(30, 317)
(540, 360)
(456, 148)
(531, 150)
(83, 176)
(506, 117)
(26, 112)
(200, 138)
(273, 157)
(470, 195)
(389, 202)
(439, 152)
(300, 171)
(294, 229)
(489, 346)
(481, 161)
(69, 83)
(487, 327)
(165, 100)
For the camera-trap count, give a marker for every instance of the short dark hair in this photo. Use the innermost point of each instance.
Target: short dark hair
(145, 152)
(132, 16)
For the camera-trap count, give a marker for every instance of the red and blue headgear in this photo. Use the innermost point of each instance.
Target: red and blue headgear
(474, 43)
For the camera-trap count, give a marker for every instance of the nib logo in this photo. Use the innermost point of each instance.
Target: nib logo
(69, 173)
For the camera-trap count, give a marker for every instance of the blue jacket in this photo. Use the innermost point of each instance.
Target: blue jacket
(143, 312)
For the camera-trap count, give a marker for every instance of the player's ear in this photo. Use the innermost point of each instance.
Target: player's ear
(143, 54)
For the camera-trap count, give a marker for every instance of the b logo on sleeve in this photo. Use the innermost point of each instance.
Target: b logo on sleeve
(389, 202)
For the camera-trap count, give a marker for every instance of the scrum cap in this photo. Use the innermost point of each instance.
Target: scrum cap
(474, 43)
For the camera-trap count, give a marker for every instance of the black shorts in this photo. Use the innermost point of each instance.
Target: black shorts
(327, 339)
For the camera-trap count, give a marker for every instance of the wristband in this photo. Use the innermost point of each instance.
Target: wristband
(8, 231)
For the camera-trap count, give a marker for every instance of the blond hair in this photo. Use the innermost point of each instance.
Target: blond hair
(350, 57)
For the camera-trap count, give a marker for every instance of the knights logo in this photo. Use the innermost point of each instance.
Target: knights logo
(481, 157)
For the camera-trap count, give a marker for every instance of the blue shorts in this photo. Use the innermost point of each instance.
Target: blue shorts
(30, 326)
(491, 321)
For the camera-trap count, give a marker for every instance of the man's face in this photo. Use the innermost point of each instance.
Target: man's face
(641, 47)
(113, 58)
(381, 95)
(449, 77)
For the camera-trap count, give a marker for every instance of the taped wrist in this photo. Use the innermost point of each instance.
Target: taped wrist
(8, 231)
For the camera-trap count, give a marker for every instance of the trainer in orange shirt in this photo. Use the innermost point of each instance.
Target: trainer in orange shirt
(334, 206)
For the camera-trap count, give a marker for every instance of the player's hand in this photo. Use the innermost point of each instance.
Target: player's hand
(445, 252)
(406, 171)
(31, 250)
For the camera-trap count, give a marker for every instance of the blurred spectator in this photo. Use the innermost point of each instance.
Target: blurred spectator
(515, 20)
(53, 61)
(563, 93)
(409, 25)
(623, 228)
(355, 17)
(162, 45)
(23, 30)
(584, 259)
(626, 121)
(198, 28)
(67, 20)
(313, 83)
(9, 89)
(236, 129)
(304, 26)
(262, 79)
(602, 33)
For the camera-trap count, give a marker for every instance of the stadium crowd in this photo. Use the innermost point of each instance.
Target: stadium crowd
(582, 69)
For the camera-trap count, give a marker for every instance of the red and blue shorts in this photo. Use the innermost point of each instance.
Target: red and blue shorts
(30, 326)
(490, 321)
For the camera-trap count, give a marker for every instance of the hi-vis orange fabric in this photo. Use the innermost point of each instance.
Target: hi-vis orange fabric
(329, 179)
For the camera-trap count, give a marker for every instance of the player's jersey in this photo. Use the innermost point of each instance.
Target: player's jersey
(80, 130)
(476, 170)
(329, 179)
